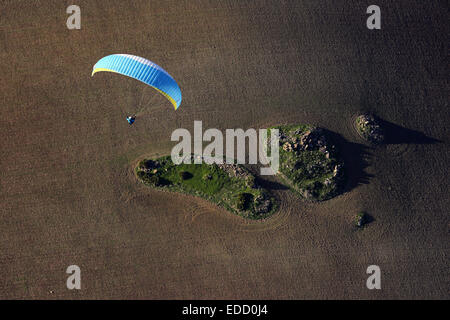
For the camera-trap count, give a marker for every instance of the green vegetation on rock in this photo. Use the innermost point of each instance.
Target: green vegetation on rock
(309, 163)
(228, 185)
(362, 219)
(368, 126)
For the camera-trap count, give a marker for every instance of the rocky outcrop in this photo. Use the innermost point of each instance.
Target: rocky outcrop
(310, 140)
(369, 127)
(308, 159)
(234, 170)
(149, 166)
(361, 219)
(231, 186)
(262, 204)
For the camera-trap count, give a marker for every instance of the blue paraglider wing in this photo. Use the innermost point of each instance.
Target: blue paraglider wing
(143, 70)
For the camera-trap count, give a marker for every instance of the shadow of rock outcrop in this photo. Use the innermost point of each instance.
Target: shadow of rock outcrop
(266, 182)
(395, 134)
(270, 184)
(356, 158)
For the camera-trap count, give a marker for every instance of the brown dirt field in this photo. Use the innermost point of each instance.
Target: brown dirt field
(68, 195)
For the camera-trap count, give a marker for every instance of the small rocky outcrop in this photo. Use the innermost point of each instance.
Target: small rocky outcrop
(369, 127)
(362, 218)
(234, 170)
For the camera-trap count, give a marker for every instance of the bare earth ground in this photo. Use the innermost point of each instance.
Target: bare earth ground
(68, 196)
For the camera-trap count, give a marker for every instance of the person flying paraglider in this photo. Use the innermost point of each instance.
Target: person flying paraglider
(143, 70)
(131, 119)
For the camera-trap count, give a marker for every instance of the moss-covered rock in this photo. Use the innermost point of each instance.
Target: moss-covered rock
(362, 219)
(228, 185)
(309, 162)
(369, 127)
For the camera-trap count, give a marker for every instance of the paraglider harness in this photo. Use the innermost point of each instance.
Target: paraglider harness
(131, 119)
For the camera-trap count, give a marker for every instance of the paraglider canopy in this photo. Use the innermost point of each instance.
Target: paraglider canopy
(143, 70)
